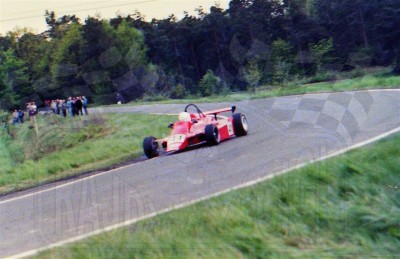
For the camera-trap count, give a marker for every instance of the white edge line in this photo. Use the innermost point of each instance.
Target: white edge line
(63, 185)
(72, 182)
(160, 113)
(185, 204)
(341, 92)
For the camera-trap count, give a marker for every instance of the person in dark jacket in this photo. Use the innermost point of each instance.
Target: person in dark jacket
(74, 110)
(64, 107)
(21, 115)
(57, 104)
(78, 106)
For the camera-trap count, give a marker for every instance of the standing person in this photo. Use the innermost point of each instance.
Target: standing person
(63, 108)
(57, 104)
(74, 111)
(78, 106)
(15, 117)
(120, 98)
(30, 110)
(5, 126)
(48, 104)
(34, 108)
(53, 106)
(85, 104)
(21, 115)
(69, 105)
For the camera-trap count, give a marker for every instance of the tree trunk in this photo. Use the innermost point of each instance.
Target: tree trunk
(363, 32)
(216, 44)
(196, 64)
(177, 57)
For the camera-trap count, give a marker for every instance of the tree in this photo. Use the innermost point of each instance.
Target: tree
(396, 69)
(385, 33)
(34, 50)
(302, 31)
(7, 97)
(252, 74)
(178, 91)
(320, 53)
(210, 84)
(130, 43)
(58, 27)
(99, 39)
(281, 60)
(5, 43)
(67, 59)
(14, 79)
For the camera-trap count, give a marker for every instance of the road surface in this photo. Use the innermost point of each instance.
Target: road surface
(284, 132)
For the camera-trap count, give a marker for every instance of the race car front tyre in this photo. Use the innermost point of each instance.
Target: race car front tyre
(212, 134)
(150, 147)
(240, 126)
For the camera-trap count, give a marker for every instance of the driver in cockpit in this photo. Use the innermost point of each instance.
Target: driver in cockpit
(184, 116)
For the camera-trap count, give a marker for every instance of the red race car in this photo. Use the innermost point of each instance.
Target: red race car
(195, 127)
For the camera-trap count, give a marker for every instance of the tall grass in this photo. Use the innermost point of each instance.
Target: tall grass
(344, 207)
(69, 146)
(5, 156)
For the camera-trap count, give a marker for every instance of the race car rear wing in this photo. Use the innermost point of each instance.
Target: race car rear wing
(215, 112)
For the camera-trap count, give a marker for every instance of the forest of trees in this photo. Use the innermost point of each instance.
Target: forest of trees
(253, 42)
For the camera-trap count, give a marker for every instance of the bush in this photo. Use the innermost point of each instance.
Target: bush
(178, 92)
(210, 84)
(252, 74)
(153, 98)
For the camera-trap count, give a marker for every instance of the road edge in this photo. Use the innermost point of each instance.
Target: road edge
(186, 204)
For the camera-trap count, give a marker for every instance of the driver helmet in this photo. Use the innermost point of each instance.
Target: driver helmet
(184, 116)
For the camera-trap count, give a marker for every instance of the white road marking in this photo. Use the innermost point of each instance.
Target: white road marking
(160, 113)
(247, 184)
(182, 205)
(340, 92)
(63, 185)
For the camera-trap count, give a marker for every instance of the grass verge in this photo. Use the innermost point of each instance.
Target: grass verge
(364, 80)
(347, 206)
(65, 147)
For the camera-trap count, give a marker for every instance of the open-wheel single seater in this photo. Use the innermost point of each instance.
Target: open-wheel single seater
(195, 127)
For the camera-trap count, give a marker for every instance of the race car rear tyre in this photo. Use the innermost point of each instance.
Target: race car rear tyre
(150, 147)
(212, 134)
(240, 126)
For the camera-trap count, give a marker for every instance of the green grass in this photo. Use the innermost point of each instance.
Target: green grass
(28, 159)
(66, 146)
(5, 156)
(366, 82)
(347, 206)
(363, 80)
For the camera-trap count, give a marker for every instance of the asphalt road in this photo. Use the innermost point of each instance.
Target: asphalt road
(284, 132)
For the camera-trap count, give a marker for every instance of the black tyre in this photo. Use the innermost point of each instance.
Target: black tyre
(240, 126)
(212, 134)
(150, 147)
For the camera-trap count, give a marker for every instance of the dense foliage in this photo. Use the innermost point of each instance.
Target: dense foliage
(253, 42)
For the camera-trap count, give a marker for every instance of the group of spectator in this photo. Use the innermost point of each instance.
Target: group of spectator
(18, 115)
(73, 106)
